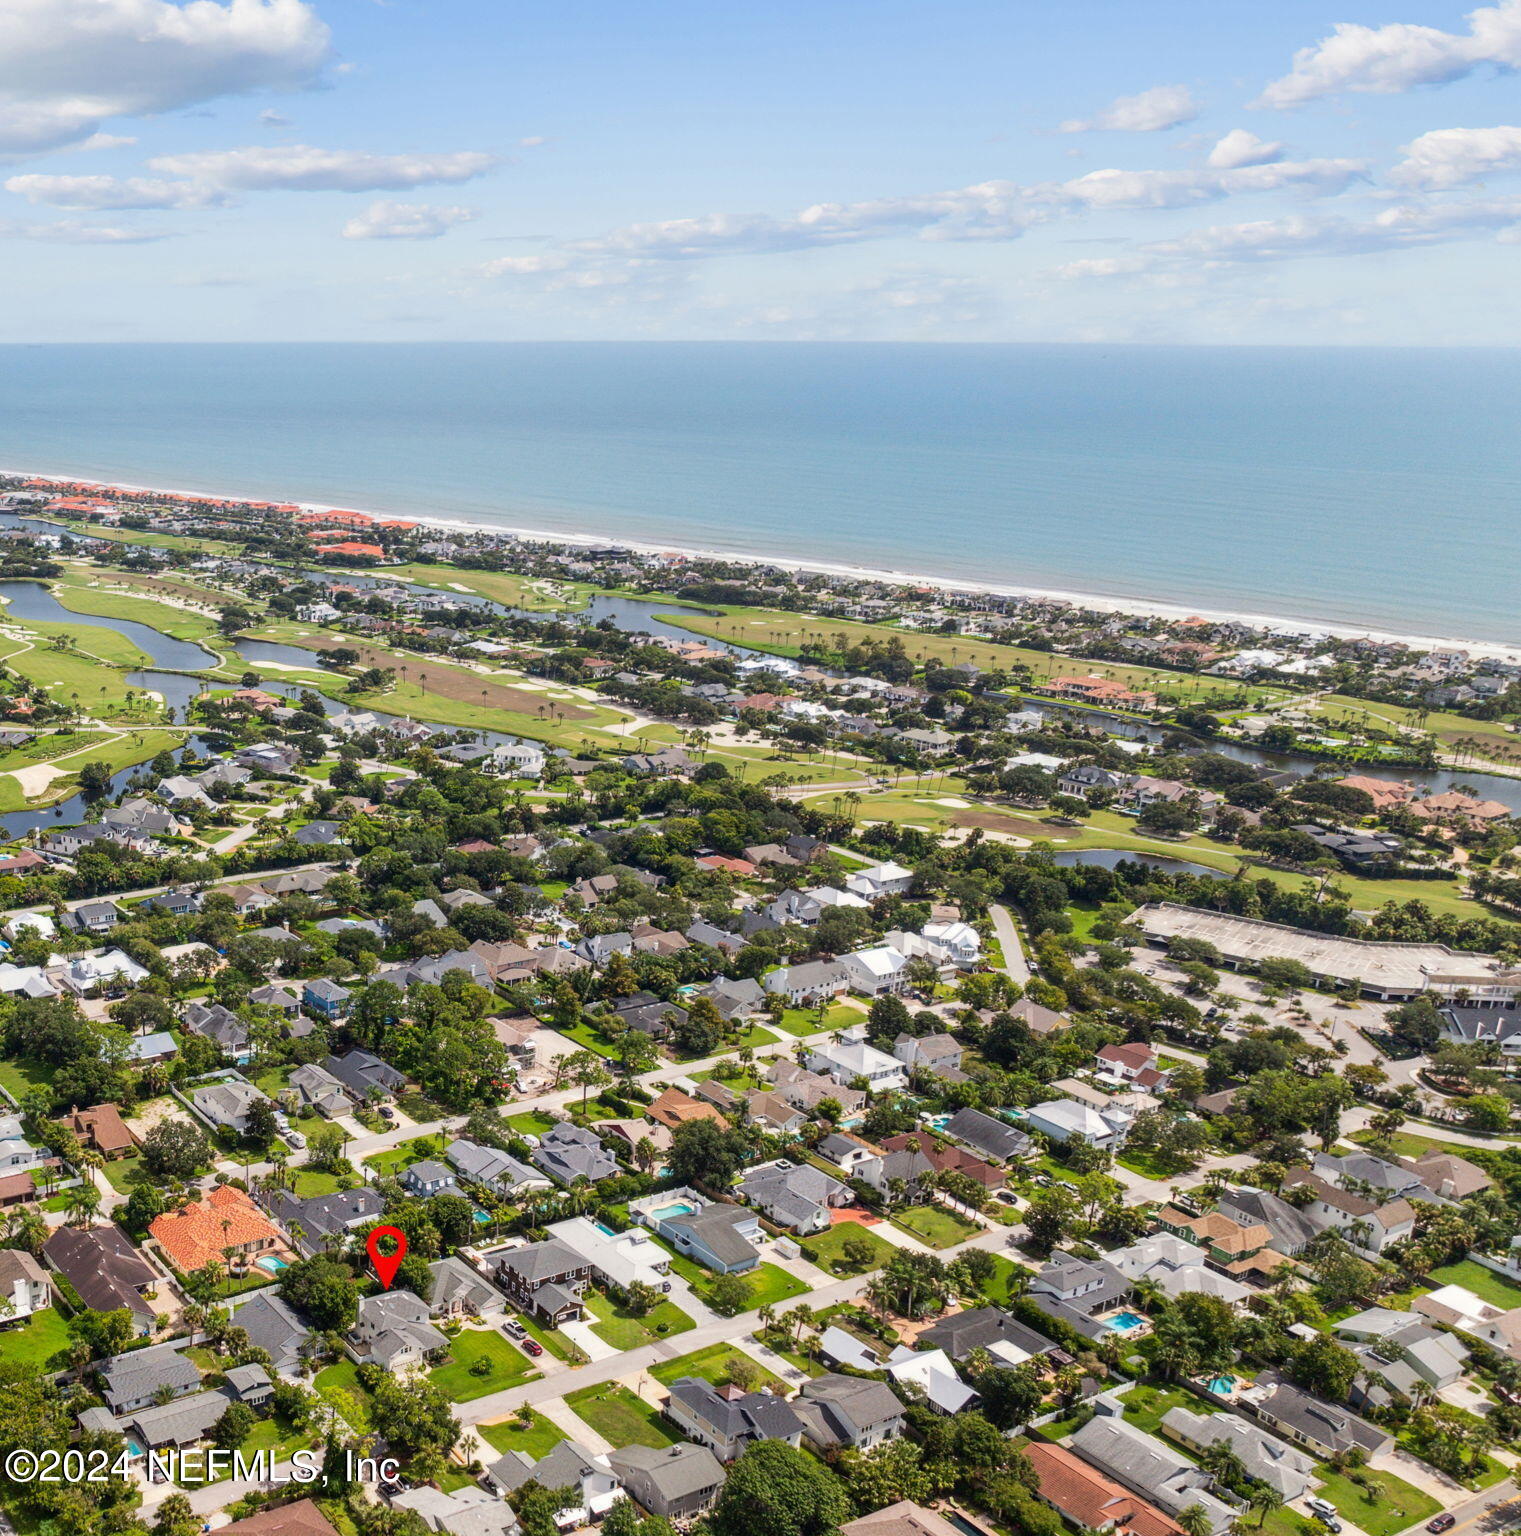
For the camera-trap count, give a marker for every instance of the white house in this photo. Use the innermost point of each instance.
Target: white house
(1066, 1120)
(881, 880)
(30, 925)
(24, 1285)
(227, 1103)
(960, 940)
(846, 1060)
(874, 971)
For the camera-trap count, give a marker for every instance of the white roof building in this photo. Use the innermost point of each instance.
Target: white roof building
(881, 880)
(880, 969)
(846, 1060)
(619, 1260)
(931, 1371)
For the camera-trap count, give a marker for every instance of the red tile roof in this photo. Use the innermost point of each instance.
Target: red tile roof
(195, 1236)
(1091, 1500)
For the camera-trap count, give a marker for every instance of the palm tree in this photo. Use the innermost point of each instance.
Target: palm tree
(1264, 1498)
(82, 1202)
(1195, 1521)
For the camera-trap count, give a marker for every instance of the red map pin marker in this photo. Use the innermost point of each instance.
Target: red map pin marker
(386, 1264)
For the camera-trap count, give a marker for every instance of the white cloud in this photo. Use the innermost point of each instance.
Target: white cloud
(106, 141)
(1448, 157)
(100, 192)
(1163, 106)
(1242, 147)
(533, 141)
(67, 66)
(989, 210)
(1300, 235)
(1397, 57)
(302, 168)
(405, 221)
(76, 232)
(272, 119)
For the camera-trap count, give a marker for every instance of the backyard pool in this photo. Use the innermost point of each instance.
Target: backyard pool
(936, 1122)
(272, 1264)
(669, 1212)
(1223, 1386)
(604, 1229)
(1125, 1322)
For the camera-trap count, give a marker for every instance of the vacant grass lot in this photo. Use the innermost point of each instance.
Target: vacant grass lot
(827, 1249)
(620, 1417)
(619, 1327)
(770, 1285)
(710, 1364)
(537, 1438)
(509, 1366)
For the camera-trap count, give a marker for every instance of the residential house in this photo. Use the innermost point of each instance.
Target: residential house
(674, 1108)
(222, 1026)
(225, 1226)
(365, 1076)
(1006, 1340)
(797, 1196)
(875, 971)
(1146, 1466)
(320, 1222)
(676, 1482)
(887, 879)
(1383, 1336)
(497, 1171)
(1085, 1498)
(138, 1378)
(105, 1270)
(569, 1152)
(729, 1420)
(428, 1177)
(1310, 1421)
(226, 1104)
(1064, 1120)
(1266, 1459)
(458, 1291)
(24, 1286)
(544, 1279)
(101, 1129)
(847, 1061)
(393, 1331)
(619, 1260)
(568, 1465)
(272, 1326)
(807, 1090)
(811, 982)
(994, 1138)
(941, 1157)
(1369, 1224)
(720, 1236)
(848, 1411)
(319, 1090)
(938, 1055)
(324, 996)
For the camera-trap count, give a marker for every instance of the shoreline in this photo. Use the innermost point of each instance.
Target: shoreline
(1095, 602)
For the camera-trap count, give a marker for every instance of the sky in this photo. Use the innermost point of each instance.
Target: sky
(1222, 172)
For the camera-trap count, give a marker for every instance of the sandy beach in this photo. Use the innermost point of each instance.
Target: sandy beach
(1096, 602)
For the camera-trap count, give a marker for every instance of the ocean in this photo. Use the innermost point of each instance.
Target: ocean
(1374, 488)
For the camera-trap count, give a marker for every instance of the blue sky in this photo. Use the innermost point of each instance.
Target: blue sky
(1068, 170)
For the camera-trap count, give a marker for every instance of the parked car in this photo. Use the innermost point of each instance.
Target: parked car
(1322, 1508)
(514, 1329)
(386, 1112)
(1443, 1522)
(532, 1346)
(296, 1139)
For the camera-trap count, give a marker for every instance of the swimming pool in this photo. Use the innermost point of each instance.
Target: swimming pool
(604, 1229)
(480, 1218)
(1223, 1386)
(1125, 1322)
(272, 1264)
(669, 1212)
(936, 1122)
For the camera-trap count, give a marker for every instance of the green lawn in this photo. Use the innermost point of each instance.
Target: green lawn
(710, 1364)
(41, 1342)
(535, 1123)
(394, 1159)
(537, 1438)
(769, 1284)
(18, 1076)
(620, 1417)
(620, 1328)
(340, 1385)
(589, 1040)
(1150, 1165)
(312, 1181)
(1000, 1289)
(1484, 1283)
(1146, 1406)
(1388, 1505)
(123, 1172)
(826, 1250)
(510, 1367)
(934, 1225)
(805, 1021)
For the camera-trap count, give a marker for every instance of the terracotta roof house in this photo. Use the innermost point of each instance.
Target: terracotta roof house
(1087, 1499)
(903, 1519)
(302, 1518)
(674, 1108)
(203, 1232)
